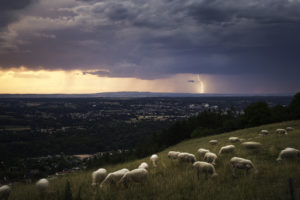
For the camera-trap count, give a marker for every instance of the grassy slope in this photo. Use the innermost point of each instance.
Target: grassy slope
(171, 180)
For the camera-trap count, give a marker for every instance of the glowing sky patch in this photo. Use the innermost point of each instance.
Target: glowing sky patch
(23, 80)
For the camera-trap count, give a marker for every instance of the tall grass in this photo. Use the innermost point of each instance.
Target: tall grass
(172, 180)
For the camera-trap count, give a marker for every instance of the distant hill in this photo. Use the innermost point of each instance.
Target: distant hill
(130, 95)
(175, 181)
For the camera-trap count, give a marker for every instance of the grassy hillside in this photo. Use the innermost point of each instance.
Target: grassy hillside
(172, 180)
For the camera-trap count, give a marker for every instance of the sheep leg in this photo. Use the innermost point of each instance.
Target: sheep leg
(198, 174)
(206, 177)
(247, 171)
(233, 172)
(214, 162)
(125, 184)
(154, 164)
(107, 179)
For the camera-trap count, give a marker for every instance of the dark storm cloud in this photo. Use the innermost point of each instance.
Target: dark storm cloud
(209, 12)
(259, 11)
(8, 9)
(118, 13)
(154, 38)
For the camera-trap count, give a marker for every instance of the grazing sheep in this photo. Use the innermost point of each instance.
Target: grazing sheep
(154, 159)
(289, 128)
(252, 145)
(213, 142)
(234, 139)
(281, 131)
(143, 165)
(186, 157)
(114, 177)
(5, 191)
(241, 163)
(210, 158)
(264, 132)
(288, 153)
(173, 154)
(227, 149)
(42, 185)
(201, 152)
(206, 168)
(136, 175)
(98, 176)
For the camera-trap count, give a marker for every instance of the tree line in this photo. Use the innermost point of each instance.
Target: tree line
(215, 122)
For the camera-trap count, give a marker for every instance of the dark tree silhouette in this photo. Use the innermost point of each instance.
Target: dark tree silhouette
(257, 114)
(294, 107)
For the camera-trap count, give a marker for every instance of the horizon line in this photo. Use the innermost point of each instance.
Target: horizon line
(153, 93)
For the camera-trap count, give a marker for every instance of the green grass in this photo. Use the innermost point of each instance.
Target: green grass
(172, 180)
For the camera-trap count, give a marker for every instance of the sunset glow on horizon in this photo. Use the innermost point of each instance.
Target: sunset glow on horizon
(22, 80)
(41, 81)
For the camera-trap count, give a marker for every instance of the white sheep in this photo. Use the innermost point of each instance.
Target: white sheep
(252, 145)
(5, 191)
(289, 128)
(264, 132)
(154, 159)
(114, 177)
(204, 167)
(227, 149)
(42, 185)
(234, 139)
(281, 131)
(213, 142)
(98, 176)
(143, 165)
(201, 152)
(210, 158)
(288, 153)
(173, 154)
(136, 175)
(186, 157)
(241, 163)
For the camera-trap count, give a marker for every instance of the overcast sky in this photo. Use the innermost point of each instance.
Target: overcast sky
(231, 46)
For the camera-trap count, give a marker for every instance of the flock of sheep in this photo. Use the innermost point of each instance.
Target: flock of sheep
(207, 166)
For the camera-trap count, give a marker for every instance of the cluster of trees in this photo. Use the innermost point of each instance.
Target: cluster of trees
(207, 123)
(97, 138)
(211, 122)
